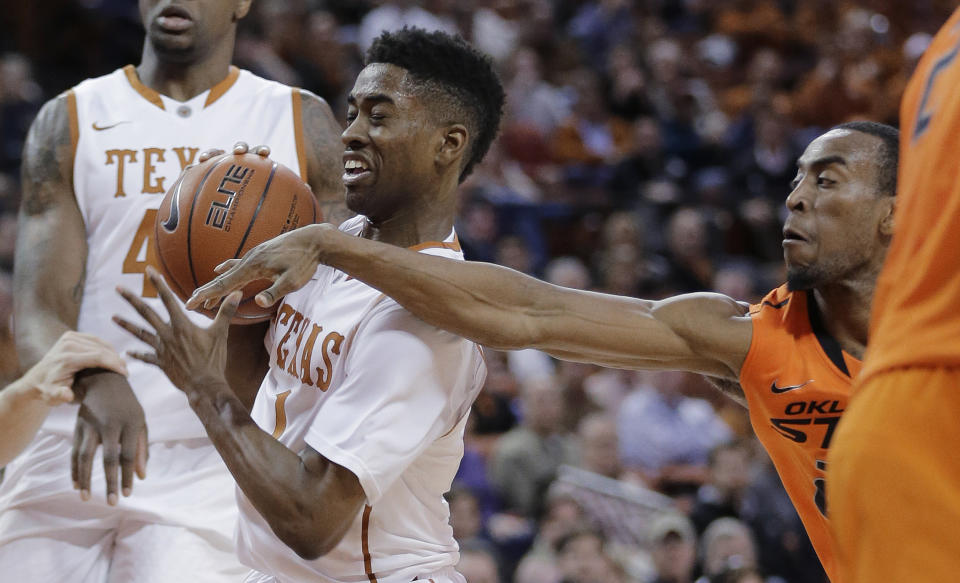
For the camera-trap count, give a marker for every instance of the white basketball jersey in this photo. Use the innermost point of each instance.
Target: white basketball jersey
(131, 145)
(375, 389)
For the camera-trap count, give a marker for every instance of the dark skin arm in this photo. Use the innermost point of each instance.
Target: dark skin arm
(324, 157)
(48, 280)
(309, 501)
(504, 309)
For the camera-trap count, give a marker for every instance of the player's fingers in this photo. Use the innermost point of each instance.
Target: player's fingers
(262, 150)
(235, 278)
(226, 265)
(166, 296)
(145, 311)
(141, 333)
(111, 463)
(88, 447)
(75, 455)
(280, 288)
(241, 148)
(227, 311)
(147, 357)
(128, 459)
(143, 454)
(56, 395)
(207, 154)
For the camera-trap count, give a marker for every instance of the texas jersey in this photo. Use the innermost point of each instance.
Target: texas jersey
(380, 392)
(130, 145)
(919, 286)
(797, 379)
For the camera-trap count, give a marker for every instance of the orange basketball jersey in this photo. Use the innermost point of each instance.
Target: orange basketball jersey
(915, 318)
(797, 379)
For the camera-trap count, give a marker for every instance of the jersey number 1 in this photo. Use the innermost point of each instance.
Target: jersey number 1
(143, 246)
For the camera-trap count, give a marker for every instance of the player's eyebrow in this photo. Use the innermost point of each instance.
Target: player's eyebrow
(372, 98)
(821, 162)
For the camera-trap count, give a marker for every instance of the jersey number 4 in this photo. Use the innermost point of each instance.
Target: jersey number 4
(143, 252)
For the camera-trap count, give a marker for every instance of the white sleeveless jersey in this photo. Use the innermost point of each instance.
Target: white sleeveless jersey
(375, 389)
(131, 144)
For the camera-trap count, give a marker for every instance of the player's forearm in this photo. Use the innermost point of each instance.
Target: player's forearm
(21, 414)
(294, 500)
(505, 309)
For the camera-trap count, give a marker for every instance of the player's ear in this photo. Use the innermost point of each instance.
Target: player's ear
(886, 225)
(453, 144)
(243, 7)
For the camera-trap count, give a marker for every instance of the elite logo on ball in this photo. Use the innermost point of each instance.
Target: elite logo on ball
(232, 184)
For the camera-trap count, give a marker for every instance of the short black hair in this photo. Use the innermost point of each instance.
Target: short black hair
(890, 154)
(452, 70)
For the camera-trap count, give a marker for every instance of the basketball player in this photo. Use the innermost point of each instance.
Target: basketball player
(357, 430)
(25, 402)
(793, 354)
(894, 479)
(96, 164)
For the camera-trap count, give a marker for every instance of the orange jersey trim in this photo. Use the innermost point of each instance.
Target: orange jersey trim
(298, 136)
(144, 91)
(217, 91)
(452, 245)
(365, 545)
(74, 123)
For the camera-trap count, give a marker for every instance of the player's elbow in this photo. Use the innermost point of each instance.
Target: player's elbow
(309, 542)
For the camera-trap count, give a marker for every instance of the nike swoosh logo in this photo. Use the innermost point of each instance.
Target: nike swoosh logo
(173, 220)
(101, 128)
(777, 390)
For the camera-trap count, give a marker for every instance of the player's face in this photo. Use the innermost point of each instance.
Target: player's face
(390, 141)
(183, 30)
(833, 230)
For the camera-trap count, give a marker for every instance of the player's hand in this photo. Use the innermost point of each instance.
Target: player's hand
(288, 260)
(51, 379)
(110, 415)
(189, 355)
(238, 148)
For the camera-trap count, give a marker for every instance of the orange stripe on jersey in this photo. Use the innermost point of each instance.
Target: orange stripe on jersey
(217, 91)
(365, 545)
(281, 415)
(915, 318)
(74, 123)
(144, 91)
(797, 383)
(452, 245)
(298, 133)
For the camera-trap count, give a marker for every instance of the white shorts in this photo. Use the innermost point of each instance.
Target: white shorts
(177, 526)
(448, 575)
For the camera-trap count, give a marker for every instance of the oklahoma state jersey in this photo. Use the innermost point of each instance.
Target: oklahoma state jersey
(130, 145)
(797, 382)
(918, 291)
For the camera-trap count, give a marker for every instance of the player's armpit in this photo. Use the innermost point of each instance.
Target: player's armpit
(324, 152)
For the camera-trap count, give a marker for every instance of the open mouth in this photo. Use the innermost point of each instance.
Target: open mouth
(174, 19)
(789, 235)
(354, 169)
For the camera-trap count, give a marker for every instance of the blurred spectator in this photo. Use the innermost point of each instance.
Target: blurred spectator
(9, 365)
(20, 100)
(738, 575)
(568, 272)
(728, 545)
(666, 435)
(527, 457)
(582, 558)
(600, 25)
(673, 546)
(396, 14)
(688, 251)
(477, 565)
(599, 445)
(726, 488)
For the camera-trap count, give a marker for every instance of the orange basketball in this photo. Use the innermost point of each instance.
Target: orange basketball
(221, 209)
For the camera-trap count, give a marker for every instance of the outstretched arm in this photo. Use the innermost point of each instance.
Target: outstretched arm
(24, 403)
(504, 309)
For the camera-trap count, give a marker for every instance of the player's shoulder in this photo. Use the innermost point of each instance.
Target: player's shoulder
(104, 84)
(774, 304)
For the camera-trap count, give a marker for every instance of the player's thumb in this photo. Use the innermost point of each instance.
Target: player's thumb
(228, 309)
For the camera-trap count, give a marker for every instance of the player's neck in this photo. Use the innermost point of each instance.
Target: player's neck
(183, 81)
(845, 308)
(416, 224)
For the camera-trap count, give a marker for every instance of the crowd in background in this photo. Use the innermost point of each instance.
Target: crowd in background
(646, 150)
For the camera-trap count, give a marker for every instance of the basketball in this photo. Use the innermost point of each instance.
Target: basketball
(221, 209)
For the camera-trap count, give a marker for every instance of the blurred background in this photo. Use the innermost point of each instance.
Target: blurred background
(646, 150)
